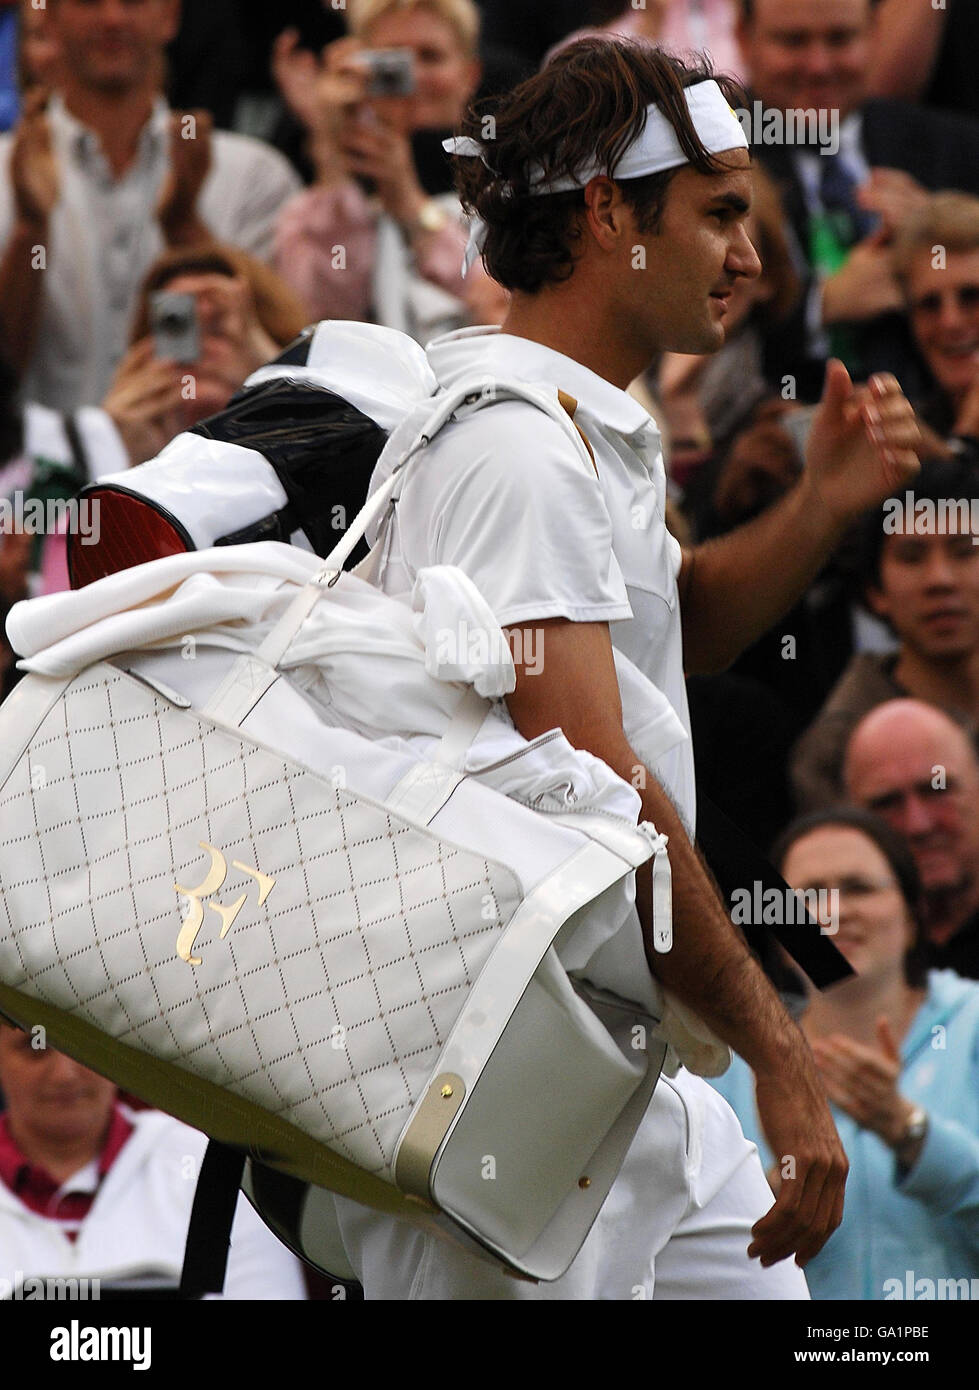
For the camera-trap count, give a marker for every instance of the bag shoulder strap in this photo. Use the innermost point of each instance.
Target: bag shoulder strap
(252, 674)
(570, 406)
(211, 1219)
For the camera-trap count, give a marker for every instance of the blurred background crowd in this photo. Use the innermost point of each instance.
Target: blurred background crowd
(248, 160)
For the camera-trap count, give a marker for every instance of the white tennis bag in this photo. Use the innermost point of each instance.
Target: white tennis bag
(358, 979)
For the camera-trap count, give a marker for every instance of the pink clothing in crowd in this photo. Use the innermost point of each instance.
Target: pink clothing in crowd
(326, 248)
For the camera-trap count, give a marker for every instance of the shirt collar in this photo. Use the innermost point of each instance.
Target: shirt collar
(487, 349)
(84, 143)
(851, 135)
(850, 147)
(16, 1170)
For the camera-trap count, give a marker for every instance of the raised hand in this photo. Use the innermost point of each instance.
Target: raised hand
(865, 286)
(296, 70)
(894, 194)
(34, 172)
(863, 443)
(236, 342)
(375, 150)
(144, 401)
(190, 163)
(863, 1081)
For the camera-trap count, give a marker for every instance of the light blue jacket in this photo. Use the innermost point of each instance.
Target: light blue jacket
(925, 1225)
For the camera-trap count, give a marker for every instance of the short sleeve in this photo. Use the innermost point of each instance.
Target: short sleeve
(506, 497)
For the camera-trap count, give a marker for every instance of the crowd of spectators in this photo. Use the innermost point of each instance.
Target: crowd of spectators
(243, 157)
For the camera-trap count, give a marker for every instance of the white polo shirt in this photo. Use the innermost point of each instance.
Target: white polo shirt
(506, 497)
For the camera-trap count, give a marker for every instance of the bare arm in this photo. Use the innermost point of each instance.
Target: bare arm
(861, 449)
(908, 35)
(35, 184)
(709, 967)
(190, 163)
(21, 283)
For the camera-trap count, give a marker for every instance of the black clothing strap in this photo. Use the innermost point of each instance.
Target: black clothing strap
(211, 1218)
(79, 456)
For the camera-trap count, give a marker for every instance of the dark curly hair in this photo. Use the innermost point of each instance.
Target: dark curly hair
(589, 100)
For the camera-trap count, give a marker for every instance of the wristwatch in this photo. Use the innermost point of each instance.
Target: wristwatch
(910, 1141)
(432, 217)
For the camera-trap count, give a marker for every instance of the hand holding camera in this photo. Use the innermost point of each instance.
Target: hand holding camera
(353, 101)
(323, 92)
(144, 401)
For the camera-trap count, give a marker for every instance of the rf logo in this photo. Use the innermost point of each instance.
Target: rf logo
(214, 881)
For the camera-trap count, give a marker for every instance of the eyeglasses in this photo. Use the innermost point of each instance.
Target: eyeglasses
(966, 296)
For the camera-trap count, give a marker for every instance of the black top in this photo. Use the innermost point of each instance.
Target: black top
(961, 953)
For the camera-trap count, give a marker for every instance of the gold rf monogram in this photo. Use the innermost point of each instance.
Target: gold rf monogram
(214, 880)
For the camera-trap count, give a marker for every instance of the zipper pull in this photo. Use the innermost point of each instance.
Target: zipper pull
(662, 888)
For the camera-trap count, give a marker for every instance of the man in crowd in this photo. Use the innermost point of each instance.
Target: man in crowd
(91, 1189)
(618, 238)
(912, 765)
(925, 585)
(844, 207)
(95, 183)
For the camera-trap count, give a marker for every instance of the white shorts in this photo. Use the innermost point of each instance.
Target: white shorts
(676, 1224)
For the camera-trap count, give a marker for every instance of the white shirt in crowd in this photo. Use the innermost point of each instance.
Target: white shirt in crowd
(104, 236)
(136, 1229)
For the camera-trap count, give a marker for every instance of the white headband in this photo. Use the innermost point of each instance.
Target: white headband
(657, 148)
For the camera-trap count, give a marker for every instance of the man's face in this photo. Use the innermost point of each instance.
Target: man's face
(111, 45)
(677, 293)
(944, 311)
(926, 785)
(49, 1096)
(803, 54)
(929, 592)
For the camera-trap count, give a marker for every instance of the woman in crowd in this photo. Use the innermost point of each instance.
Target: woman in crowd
(898, 1049)
(368, 241)
(936, 256)
(246, 314)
